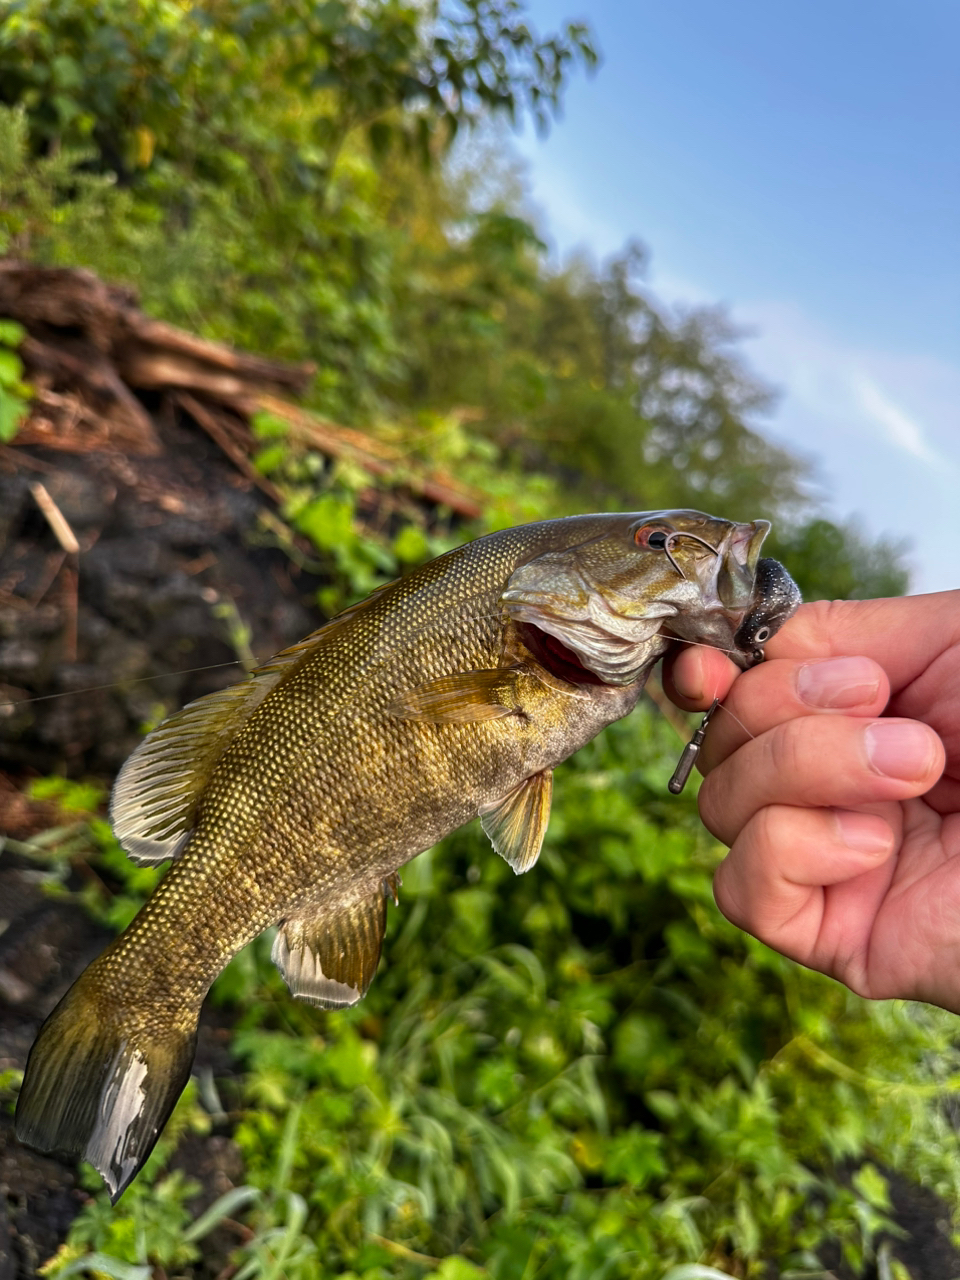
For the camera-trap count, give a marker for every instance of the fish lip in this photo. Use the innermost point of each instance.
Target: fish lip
(745, 660)
(732, 577)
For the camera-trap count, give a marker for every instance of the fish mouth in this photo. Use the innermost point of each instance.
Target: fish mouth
(727, 583)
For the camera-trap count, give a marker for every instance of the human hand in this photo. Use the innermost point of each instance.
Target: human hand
(835, 780)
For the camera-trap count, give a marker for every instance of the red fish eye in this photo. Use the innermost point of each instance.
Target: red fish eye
(652, 537)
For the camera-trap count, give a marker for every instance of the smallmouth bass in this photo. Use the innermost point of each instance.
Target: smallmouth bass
(294, 797)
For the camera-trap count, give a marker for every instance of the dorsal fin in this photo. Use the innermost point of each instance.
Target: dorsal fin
(155, 796)
(156, 793)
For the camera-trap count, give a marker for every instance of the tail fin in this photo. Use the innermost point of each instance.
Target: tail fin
(101, 1082)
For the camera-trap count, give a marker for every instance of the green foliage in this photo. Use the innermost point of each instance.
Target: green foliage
(651, 409)
(262, 200)
(244, 135)
(134, 77)
(836, 562)
(14, 392)
(45, 196)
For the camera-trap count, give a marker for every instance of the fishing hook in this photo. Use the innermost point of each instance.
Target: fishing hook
(679, 533)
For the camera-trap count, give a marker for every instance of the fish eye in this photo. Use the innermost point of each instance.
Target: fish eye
(762, 636)
(652, 537)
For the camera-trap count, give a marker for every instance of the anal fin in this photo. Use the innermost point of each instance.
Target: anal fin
(517, 823)
(328, 954)
(463, 698)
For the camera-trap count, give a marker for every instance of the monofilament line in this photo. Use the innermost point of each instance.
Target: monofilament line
(116, 684)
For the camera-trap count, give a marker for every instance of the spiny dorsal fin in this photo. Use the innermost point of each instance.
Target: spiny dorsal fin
(328, 955)
(156, 793)
(463, 698)
(517, 823)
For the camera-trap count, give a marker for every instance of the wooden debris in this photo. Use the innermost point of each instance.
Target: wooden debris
(217, 427)
(90, 350)
(374, 456)
(61, 530)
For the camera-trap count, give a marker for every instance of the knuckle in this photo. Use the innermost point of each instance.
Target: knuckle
(786, 753)
(764, 828)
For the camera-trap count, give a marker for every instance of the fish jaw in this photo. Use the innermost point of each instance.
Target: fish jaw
(737, 564)
(728, 590)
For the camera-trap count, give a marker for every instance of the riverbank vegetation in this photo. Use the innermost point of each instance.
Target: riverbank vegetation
(584, 1072)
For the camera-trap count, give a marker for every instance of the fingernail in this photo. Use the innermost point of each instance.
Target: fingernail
(900, 749)
(838, 682)
(864, 832)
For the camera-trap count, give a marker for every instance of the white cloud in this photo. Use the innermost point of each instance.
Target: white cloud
(901, 429)
(882, 425)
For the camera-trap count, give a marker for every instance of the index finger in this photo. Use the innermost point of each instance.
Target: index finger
(904, 634)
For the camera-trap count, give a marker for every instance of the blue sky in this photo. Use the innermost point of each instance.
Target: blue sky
(799, 163)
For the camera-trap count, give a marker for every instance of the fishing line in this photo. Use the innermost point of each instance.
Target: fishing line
(691, 752)
(116, 684)
(724, 707)
(701, 644)
(216, 666)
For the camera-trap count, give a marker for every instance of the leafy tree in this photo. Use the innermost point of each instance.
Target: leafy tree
(137, 77)
(272, 191)
(244, 134)
(834, 562)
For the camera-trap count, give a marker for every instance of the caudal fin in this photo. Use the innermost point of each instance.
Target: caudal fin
(101, 1082)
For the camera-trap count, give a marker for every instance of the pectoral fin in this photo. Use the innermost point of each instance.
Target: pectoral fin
(463, 698)
(517, 824)
(328, 955)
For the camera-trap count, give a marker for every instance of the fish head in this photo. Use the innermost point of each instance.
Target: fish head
(617, 596)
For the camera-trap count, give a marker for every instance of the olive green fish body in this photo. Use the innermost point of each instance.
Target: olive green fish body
(293, 798)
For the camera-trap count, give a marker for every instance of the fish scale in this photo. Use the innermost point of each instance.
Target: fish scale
(293, 799)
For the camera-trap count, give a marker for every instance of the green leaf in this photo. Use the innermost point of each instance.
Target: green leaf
(224, 1206)
(11, 368)
(873, 1186)
(13, 413)
(11, 333)
(328, 522)
(410, 546)
(457, 1268)
(99, 1263)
